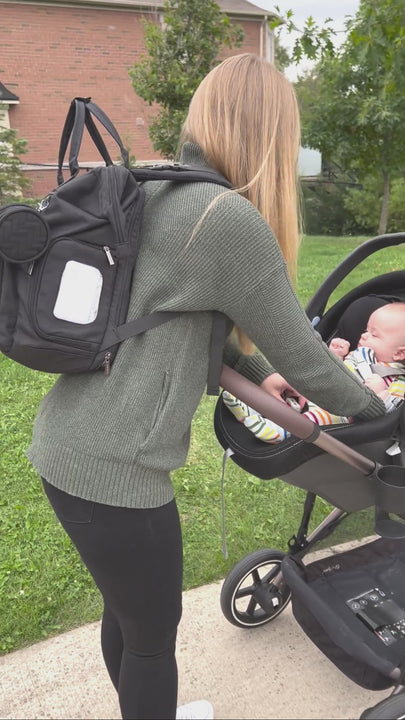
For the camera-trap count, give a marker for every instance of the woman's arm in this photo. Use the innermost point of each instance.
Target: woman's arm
(253, 289)
(256, 368)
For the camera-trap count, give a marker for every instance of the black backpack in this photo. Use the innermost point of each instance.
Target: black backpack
(66, 268)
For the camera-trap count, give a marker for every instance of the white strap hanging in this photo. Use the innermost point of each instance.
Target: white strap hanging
(227, 454)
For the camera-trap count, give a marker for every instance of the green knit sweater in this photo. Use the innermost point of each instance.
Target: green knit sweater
(115, 439)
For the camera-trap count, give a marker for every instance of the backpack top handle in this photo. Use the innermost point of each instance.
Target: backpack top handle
(80, 116)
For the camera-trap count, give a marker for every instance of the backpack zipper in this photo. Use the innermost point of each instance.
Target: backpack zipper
(112, 182)
(106, 249)
(107, 363)
(122, 240)
(125, 236)
(43, 204)
(109, 255)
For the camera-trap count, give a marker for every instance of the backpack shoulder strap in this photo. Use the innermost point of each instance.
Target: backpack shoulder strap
(218, 337)
(180, 173)
(147, 322)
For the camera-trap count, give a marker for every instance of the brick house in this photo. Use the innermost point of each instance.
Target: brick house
(53, 50)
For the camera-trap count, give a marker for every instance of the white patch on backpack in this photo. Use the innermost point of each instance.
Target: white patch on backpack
(79, 293)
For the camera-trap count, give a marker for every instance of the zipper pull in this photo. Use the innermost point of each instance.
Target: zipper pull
(109, 256)
(107, 363)
(44, 203)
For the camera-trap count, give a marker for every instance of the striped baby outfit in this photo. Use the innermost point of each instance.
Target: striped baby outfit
(361, 361)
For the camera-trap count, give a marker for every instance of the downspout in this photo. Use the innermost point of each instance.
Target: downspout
(264, 50)
(263, 37)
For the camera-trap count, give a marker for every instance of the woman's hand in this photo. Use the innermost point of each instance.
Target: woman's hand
(278, 387)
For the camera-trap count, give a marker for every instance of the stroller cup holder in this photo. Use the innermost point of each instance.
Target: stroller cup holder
(390, 498)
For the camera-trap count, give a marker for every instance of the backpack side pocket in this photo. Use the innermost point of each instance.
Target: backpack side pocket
(8, 304)
(24, 234)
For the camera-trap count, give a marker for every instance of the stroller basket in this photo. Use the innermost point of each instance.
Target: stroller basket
(352, 606)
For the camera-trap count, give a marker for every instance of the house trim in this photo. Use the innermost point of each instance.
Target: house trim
(139, 6)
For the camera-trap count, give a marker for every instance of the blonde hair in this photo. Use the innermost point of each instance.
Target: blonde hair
(245, 118)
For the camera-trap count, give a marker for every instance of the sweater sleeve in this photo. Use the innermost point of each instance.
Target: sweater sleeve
(254, 291)
(254, 367)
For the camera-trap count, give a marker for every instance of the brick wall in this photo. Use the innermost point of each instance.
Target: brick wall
(51, 54)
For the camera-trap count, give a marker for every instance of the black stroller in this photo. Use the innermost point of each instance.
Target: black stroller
(351, 604)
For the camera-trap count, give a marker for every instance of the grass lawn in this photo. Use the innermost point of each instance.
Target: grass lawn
(44, 588)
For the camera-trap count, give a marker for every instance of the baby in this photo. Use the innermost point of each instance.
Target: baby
(381, 347)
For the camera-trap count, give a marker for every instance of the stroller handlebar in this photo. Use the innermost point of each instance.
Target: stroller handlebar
(292, 421)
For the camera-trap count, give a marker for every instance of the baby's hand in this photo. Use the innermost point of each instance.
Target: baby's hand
(376, 384)
(339, 347)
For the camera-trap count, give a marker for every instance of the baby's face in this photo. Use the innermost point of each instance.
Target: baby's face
(383, 336)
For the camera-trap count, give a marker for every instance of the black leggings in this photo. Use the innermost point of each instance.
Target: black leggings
(135, 558)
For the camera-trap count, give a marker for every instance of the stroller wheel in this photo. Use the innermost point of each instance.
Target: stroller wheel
(393, 708)
(254, 592)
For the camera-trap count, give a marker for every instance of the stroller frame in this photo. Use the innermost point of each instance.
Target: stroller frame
(265, 580)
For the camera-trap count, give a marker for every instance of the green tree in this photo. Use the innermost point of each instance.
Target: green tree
(312, 41)
(356, 116)
(12, 180)
(307, 91)
(180, 53)
(281, 55)
(363, 204)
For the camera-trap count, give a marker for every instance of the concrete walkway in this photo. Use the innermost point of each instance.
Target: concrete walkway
(272, 671)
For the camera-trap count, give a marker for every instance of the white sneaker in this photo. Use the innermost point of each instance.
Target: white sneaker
(197, 710)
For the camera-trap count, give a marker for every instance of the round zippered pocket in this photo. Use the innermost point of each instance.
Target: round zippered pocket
(24, 234)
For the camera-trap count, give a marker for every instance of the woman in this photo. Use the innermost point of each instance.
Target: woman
(106, 446)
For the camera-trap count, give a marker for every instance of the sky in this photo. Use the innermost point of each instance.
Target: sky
(302, 9)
